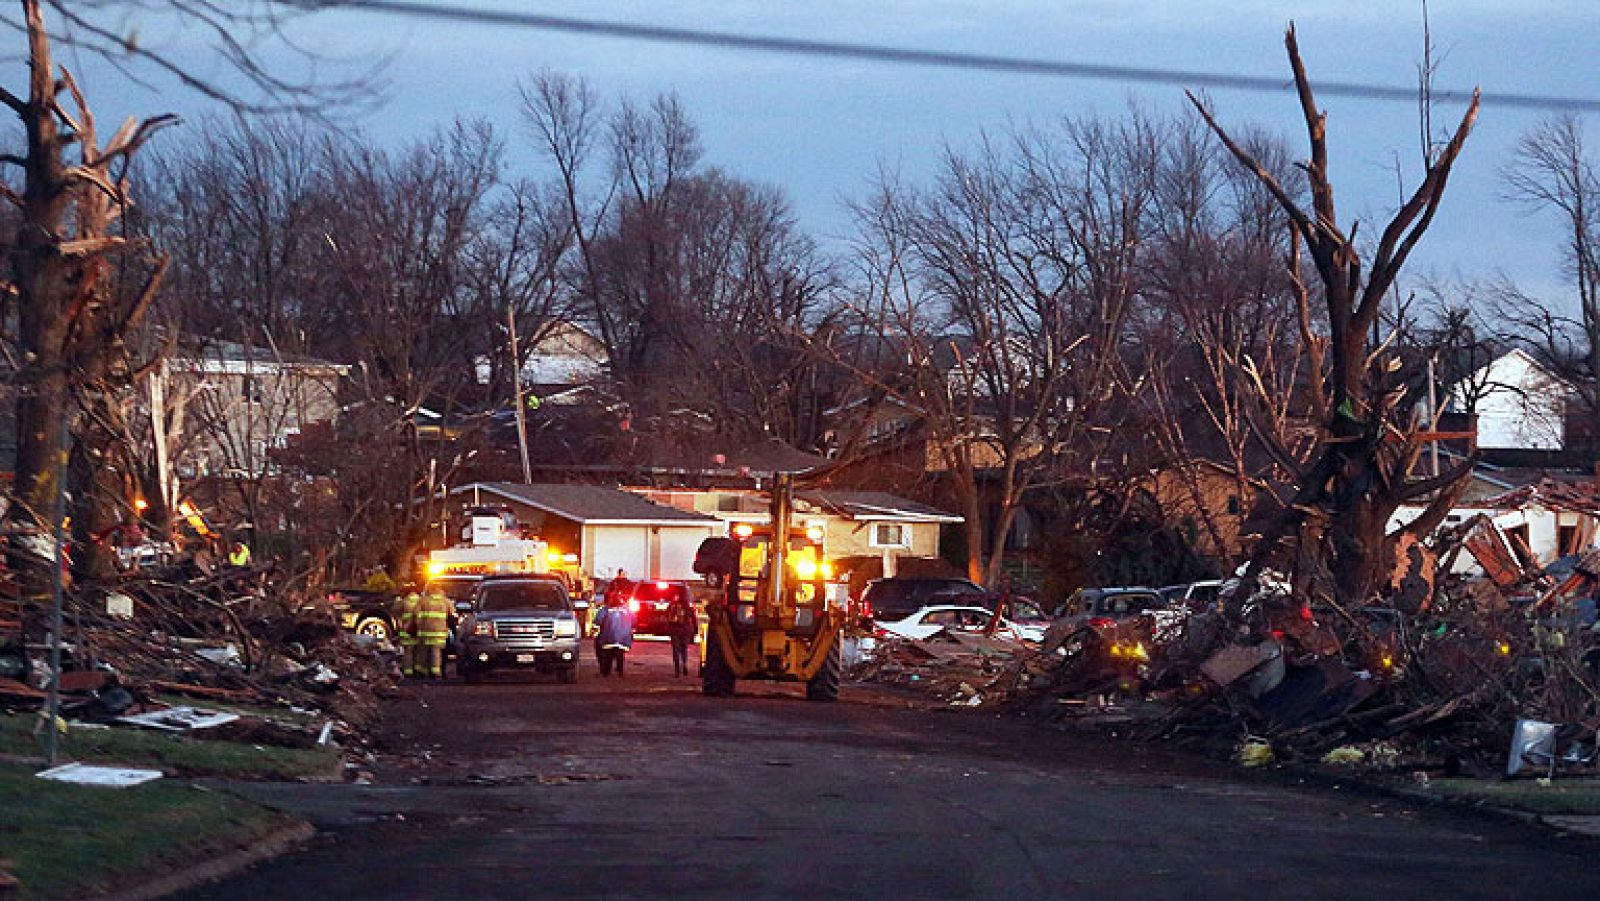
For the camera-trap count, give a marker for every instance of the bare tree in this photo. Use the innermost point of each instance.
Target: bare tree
(992, 307)
(70, 320)
(697, 284)
(1362, 402)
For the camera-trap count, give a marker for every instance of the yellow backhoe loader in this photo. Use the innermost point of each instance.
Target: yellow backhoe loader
(772, 618)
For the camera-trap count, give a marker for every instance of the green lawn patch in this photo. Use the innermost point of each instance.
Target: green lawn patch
(175, 754)
(1561, 796)
(68, 841)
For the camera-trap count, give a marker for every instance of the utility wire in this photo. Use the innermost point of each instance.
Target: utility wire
(944, 58)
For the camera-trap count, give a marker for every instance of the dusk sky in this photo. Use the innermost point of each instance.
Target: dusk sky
(820, 128)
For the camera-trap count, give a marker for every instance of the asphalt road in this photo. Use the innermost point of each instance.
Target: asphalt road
(642, 788)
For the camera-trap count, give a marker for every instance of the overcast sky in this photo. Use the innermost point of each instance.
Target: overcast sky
(820, 128)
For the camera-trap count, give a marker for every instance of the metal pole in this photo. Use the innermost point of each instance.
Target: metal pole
(57, 514)
(516, 393)
(1433, 414)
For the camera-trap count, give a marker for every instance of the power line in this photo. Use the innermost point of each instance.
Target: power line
(948, 59)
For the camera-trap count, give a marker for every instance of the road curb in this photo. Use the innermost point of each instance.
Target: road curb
(220, 867)
(1425, 798)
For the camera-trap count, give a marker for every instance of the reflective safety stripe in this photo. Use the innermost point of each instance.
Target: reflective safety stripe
(432, 614)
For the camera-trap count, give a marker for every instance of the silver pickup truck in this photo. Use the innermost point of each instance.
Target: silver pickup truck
(519, 622)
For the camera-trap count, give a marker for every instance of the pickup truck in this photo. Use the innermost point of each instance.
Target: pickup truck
(519, 622)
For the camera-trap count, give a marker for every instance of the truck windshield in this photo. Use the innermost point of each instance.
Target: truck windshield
(523, 596)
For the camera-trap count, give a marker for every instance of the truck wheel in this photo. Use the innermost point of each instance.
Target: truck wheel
(716, 679)
(376, 626)
(824, 686)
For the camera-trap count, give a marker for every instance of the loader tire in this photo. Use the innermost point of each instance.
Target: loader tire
(716, 679)
(824, 686)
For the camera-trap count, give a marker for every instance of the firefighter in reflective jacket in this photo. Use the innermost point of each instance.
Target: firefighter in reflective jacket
(405, 625)
(433, 630)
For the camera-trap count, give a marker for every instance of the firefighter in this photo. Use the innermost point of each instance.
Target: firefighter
(433, 631)
(240, 555)
(405, 626)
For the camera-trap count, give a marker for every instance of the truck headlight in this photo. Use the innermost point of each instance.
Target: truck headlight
(566, 628)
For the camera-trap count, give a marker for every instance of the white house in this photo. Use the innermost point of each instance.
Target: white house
(608, 529)
(1520, 404)
(1541, 522)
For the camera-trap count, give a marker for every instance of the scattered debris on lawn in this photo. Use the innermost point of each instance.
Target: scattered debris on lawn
(180, 719)
(235, 637)
(100, 776)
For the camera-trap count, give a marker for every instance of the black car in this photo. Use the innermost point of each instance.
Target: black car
(519, 622)
(650, 602)
(897, 598)
(364, 611)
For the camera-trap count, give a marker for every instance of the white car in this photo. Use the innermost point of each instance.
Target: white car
(929, 620)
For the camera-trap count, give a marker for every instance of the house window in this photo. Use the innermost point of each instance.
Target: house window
(251, 390)
(890, 534)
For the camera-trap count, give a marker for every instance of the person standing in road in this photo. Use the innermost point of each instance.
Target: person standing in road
(433, 630)
(621, 586)
(682, 624)
(405, 627)
(613, 634)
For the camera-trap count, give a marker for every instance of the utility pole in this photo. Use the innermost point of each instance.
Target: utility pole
(516, 395)
(1433, 414)
(58, 513)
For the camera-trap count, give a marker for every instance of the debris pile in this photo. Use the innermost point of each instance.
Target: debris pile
(133, 649)
(1432, 677)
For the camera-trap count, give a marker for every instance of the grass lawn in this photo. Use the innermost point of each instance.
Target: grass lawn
(174, 754)
(65, 841)
(1562, 796)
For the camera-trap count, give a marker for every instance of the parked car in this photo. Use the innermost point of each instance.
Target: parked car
(521, 621)
(897, 598)
(1026, 614)
(930, 620)
(650, 601)
(1197, 596)
(364, 612)
(1110, 603)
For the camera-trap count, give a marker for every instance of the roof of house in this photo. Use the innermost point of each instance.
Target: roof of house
(868, 505)
(1577, 496)
(774, 456)
(589, 504)
(216, 353)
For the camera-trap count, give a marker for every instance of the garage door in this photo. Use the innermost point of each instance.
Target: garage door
(677, 549)
(621, 547)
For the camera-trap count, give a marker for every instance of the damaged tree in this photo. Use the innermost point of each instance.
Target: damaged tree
(70, 322)
(1360, 393)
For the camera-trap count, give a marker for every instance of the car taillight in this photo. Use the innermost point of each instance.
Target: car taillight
(1102, 622)
(633, 605)
(483, 628)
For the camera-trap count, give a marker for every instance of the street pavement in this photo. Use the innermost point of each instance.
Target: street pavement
(642, 788)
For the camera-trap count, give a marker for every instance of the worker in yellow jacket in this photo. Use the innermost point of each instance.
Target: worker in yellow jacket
(433, 631)
(405, 627)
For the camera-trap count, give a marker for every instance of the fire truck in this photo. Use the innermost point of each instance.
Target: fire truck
(494, 545)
